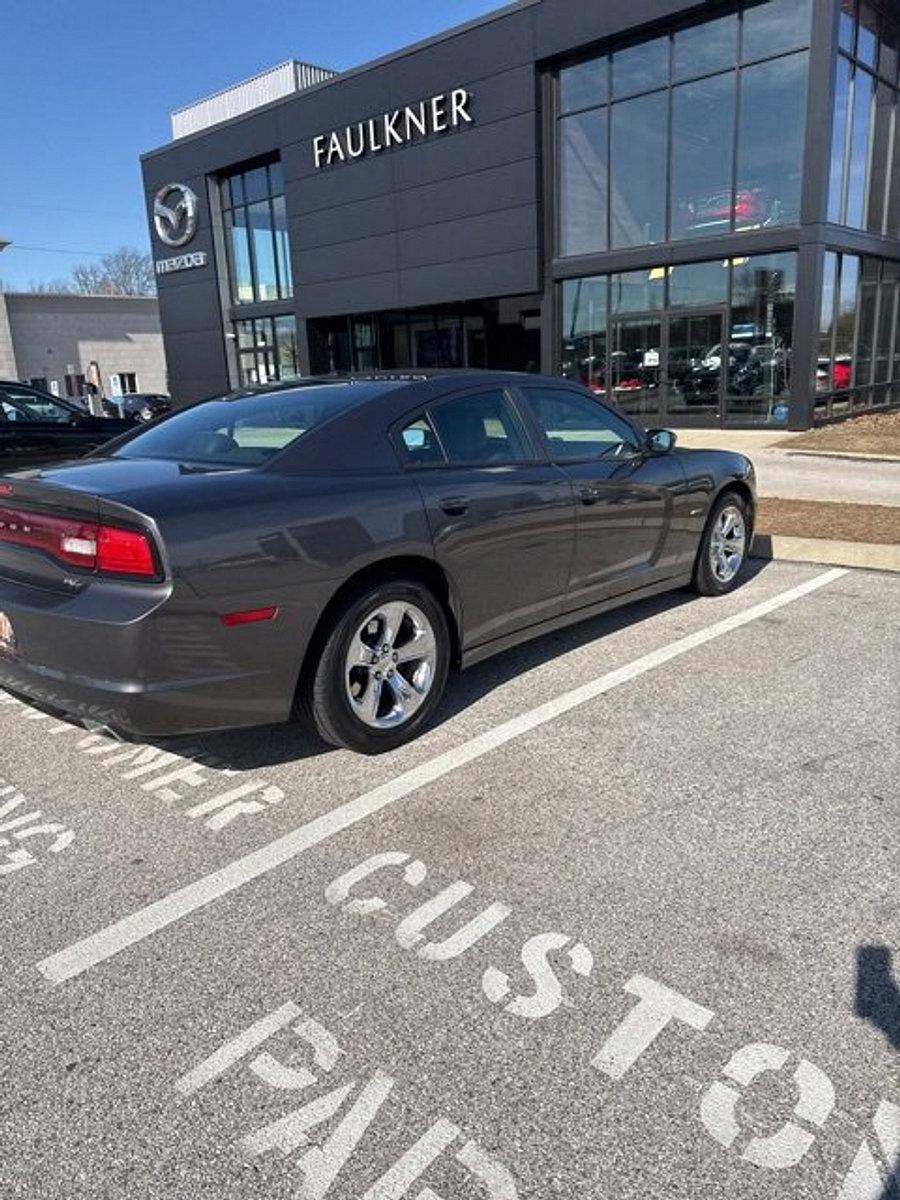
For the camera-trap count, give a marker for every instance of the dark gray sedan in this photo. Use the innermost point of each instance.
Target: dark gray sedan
(332, 548)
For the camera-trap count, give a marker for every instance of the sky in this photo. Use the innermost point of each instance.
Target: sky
(88, 85)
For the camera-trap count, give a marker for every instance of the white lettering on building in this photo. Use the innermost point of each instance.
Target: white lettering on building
(445, 111)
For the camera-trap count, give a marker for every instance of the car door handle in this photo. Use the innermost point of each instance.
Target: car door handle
(590, 495)
(454, 506)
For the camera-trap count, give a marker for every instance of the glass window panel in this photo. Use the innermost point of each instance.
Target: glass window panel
(236, 184)
(847, 24)
(889, 49)
(863, 96)
(769, 167)
(865, 336)
(638, 168)
(583, 182)
(638, 291)
(881, 146)
(775, 27)
(584, 331)
(884, 333)
(698, 284)
(260, 222)
(893, 215)
(839, 141)
(286, 347)
(641, 68)
(244, 334)
(584, 85)
(867, 35)
(702, 141)
(276, 180)
(256, 185)
(704, 48)
(282, 247)
(241, 276)
(824, 377)
(846, 327)
(761, 334)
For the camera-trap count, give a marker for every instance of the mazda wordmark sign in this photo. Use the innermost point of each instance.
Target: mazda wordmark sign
(447, 110)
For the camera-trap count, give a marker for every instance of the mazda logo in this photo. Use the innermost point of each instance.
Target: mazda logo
(175, 214)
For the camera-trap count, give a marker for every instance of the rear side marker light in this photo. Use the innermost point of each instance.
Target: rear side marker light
(249, 616)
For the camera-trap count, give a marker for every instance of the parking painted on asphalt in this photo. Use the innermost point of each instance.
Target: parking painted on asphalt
(617, 955)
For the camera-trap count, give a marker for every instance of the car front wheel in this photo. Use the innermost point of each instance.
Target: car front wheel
(382, 669)
(724, 546)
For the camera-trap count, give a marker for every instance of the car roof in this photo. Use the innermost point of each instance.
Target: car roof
(354, 439)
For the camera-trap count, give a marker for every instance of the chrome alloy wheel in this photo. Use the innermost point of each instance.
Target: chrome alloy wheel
(728, 544)
(390, 665)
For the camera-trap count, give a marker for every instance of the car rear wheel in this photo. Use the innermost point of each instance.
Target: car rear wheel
(382, 669)
(723, 547)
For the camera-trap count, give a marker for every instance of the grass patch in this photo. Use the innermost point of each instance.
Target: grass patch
(825, 519)
(869, 433)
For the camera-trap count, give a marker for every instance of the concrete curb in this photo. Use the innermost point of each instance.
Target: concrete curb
(870, 555)
(853, 455)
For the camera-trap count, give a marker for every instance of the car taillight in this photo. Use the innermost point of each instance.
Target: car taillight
(108, 549)
(124, 552)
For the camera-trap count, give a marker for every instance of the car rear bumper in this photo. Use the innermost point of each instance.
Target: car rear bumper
(130, 663)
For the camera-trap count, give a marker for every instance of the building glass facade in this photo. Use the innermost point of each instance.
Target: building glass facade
(695, 133)
(703, 225)
(694, 141)
(267, 349)
(256, 235)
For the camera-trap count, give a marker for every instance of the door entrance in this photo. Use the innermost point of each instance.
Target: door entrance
(669, 366)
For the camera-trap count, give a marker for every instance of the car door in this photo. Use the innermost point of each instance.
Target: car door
(502, 518)
(627, 498)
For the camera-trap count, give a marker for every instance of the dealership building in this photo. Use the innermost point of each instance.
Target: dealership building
(694, 209)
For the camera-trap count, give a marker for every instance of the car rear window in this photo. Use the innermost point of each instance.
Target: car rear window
(245, 430)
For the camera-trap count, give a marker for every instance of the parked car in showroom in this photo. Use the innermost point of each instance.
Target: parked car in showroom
(332, 549)
(139, 406)
(37, 427)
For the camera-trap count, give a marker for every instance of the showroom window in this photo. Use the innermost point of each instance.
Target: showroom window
(864, 182)
(267, 349)
(672, 138)
(256, 235)
(858, 363)
(692, 343)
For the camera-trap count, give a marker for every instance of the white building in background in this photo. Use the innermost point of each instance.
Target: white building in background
(61, 342)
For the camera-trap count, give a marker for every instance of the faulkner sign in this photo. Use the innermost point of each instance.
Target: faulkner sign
(449, 110)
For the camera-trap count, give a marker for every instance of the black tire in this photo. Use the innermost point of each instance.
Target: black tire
(705, 580)
(324, 702)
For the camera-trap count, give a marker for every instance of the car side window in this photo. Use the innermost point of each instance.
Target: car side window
(480, 429)
(420, 444)
(38, 408)
(577, 427)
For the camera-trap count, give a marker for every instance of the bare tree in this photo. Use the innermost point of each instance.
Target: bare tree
(124, 272)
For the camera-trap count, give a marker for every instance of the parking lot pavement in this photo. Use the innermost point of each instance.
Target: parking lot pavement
(620, 925)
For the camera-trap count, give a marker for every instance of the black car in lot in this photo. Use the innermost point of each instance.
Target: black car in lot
(333, 548)
(37, 427)
(139, 406)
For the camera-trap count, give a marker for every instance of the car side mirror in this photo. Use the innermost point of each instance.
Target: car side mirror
(661, 441)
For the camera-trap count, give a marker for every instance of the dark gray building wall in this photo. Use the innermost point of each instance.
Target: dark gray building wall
(453, 217)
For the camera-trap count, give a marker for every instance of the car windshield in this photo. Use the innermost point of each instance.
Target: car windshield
(244, 430)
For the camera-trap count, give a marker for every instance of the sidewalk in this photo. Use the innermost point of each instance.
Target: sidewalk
(786, 474)
(802, 475)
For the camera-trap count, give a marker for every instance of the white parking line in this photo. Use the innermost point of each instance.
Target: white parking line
(99, 946)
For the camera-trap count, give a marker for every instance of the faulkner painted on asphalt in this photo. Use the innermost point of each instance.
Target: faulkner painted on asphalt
(396, 128)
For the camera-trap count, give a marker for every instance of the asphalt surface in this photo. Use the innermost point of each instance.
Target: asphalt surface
(636, 943)
(796, 476)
